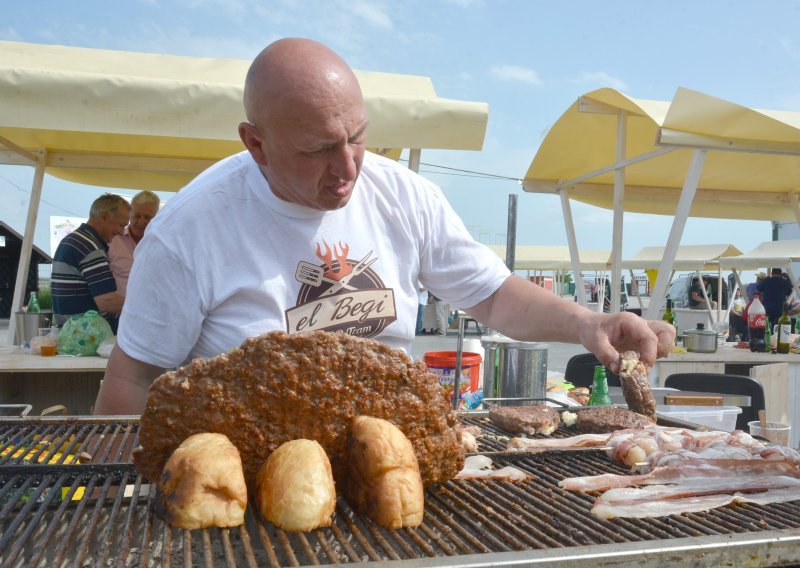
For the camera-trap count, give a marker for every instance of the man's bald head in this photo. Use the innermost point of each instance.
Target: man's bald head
(292, 73)
(306, 124)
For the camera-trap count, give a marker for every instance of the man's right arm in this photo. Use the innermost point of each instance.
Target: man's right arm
(124, 387)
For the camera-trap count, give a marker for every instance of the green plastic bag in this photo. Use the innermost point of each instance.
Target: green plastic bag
(82, 334)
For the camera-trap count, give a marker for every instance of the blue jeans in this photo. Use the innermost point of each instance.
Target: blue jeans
(420, 318)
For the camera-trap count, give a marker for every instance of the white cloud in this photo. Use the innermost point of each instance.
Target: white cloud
(10, 34)
(516, 73)
(788, 46)
(466, 3)
(602, 79)
(372, 15)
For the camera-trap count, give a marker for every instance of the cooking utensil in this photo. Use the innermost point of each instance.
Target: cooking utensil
(762, 417)
(701, 340)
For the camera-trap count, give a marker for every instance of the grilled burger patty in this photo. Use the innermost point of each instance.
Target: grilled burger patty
(532, 419)
(604, 419)
(279, 387)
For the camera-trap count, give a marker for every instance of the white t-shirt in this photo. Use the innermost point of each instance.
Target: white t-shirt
(226, 260)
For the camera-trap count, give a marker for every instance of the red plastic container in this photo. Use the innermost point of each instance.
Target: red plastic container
(443, 365)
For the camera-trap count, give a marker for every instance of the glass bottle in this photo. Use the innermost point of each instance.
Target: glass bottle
(768, 337)
(599, 396)
(784, 329)
(668, 315)
(33, 304)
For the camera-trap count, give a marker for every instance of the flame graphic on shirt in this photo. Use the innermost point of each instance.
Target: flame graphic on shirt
(344, 267)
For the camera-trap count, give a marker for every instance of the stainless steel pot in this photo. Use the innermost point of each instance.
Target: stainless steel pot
(701, 340)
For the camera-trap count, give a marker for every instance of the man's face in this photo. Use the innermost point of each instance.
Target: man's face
(313, 159)
(113, 224)
(141, 215)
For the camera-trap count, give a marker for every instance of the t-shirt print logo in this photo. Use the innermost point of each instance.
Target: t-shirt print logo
(341, 294)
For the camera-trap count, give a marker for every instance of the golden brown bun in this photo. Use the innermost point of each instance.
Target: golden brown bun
(294, 487)
(202, 484)
(384, 482)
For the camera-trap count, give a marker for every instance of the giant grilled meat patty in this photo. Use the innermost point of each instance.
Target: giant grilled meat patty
(277, 387)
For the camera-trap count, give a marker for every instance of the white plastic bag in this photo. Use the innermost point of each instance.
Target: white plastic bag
(105, 347)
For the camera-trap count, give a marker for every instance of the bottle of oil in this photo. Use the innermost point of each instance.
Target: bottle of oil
(599, 396)
(668, 315)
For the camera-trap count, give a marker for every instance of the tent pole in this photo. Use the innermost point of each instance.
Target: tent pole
(795, 203)
(678, 223)
(414, 158)
(619, 198)
(27, 245)
(574, 255)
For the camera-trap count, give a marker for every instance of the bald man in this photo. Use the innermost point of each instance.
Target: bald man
(306, 231)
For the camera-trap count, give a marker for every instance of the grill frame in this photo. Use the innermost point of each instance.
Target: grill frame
(467, 523)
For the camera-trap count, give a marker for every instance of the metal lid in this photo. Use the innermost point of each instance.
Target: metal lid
(700, 330)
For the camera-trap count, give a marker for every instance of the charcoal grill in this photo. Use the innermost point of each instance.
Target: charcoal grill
(55, 512)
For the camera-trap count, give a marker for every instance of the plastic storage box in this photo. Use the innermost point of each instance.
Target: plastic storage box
(715, 417)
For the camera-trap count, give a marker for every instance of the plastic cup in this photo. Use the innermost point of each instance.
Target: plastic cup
(47, 350)
(775, 432)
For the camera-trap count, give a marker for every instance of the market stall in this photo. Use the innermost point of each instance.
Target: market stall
(557, 259)
(152, 121)
(688, 258)
(695, 155)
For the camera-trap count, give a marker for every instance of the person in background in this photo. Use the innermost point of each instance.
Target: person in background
(422, 298)
(442, 311)
(752, 288)
(229, 258)
(144, 207)
(81, 278)
(775, 289)
(696, 299)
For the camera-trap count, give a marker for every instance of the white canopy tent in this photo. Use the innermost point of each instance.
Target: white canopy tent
(149, 121)
(555, 258)
(688, 258)
(696, 155)
(769, 254)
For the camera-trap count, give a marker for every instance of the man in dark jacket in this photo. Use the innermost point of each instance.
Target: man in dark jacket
(774, 291)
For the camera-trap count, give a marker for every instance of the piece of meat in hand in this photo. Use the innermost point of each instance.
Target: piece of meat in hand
(636, 385)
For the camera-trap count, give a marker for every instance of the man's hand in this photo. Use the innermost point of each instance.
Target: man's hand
(607, 335)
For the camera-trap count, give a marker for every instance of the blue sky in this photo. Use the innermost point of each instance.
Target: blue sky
(528, 59)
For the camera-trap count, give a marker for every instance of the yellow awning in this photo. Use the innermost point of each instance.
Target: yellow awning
(769, 254)
(148, 121)
(750, 170)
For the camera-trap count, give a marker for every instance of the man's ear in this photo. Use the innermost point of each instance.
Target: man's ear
(252, 140)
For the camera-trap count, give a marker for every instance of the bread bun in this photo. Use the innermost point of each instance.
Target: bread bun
(202, 484)
(384, 481)
(294, 487)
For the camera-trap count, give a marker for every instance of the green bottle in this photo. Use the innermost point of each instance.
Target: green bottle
(784, 330)
(599, 396)
(668, 315)
(33, 304)
(768, 337)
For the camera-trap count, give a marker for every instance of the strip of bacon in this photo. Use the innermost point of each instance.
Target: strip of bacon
(543, 444)
(688, 473)
(662, 500)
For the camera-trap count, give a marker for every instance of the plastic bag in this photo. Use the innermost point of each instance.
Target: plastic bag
(107, 346)
(82, 334)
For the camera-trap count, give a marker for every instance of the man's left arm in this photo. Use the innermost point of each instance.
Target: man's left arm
(526, 312)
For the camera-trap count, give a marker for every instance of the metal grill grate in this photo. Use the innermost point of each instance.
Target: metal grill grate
(59, 513)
